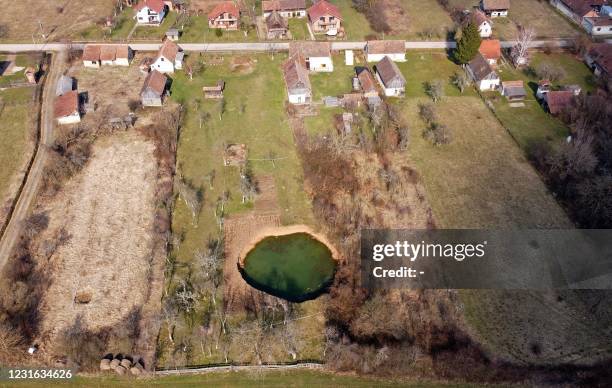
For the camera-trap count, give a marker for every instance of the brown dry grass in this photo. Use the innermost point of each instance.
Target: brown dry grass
(22, 17)
(109, 88)
(108, 213)
(410, 18)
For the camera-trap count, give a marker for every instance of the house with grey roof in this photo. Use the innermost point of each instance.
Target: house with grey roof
(390, 78)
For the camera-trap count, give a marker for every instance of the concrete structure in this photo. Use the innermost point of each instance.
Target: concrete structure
(376, 50)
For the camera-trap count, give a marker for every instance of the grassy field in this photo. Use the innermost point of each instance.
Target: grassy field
(482, 178)
(124, 23)
(299, 29)
(197, 31)
(154, 32)
(293, 378)
(427, 66)
(531, 123)
(261, 124)
(527, 13)
(15, 112)
(411, 19)
(335, 83)
(355, 24)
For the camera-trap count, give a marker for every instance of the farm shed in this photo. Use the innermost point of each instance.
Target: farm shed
(153, 89)
(214, 91)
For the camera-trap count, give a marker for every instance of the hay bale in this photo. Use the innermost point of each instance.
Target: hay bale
(126, 363)
(105, 364)
(115, 363)
(136, 370)
(120, 370)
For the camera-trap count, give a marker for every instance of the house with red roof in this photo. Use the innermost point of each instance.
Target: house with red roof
(490, 50)
(151, 12)
(559, 100)
(224, 16)
(325, 18)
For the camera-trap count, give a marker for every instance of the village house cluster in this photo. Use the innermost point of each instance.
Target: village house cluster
(595, 16)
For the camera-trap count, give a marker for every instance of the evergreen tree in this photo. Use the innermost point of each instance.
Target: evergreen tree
(468, 44)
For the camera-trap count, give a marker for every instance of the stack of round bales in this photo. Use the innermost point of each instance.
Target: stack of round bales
(121, 364)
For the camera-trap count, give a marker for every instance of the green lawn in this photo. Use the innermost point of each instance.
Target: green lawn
(155, 32)
(531, 123)
(299, 29)
(355, 24)
(259, 122)
(15, 114)
(414, 20)
(292, 378)
(426, 66)
(197, 31)
(539, 15)
(335, 83)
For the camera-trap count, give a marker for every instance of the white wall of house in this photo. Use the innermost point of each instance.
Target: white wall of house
(146, 16)
(485, 30)
(299, 98)
(288, 14)
(121, 62)
(488, 84)
(71, 119)
(499, 14)
(92, 64)
(108, 63)
(321, 64)
(397, 57)
(163, 65)
(390, 92)
(596, 31)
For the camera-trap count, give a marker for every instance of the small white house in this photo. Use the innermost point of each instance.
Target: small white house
(166, 60)
(151, 12)
(483, 74)
(66, 108)
(598, 26)
(484, 24)
(390, 78)
(297, 82)
(376, 50)
(91, 56)
(317, 55)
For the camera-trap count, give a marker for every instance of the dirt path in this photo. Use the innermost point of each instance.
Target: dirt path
(22, 205)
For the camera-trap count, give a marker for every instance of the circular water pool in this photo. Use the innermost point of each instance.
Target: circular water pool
(295, 266)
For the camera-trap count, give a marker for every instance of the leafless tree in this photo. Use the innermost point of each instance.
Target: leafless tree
(435, 89)
(185, 297)
(461, 80)
(191, 196)
(520, 50)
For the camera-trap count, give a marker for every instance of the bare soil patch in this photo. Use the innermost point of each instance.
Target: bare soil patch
(58, 19)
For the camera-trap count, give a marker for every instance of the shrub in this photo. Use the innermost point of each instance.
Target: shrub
(438, 134)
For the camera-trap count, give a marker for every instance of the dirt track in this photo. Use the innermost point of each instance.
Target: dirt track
(30, 188)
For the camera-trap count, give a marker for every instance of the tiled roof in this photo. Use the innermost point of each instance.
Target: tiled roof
(154, 5)
(479, 17)
(156, 82)
(601, 53)
(66, 104)
(295, 73)
(322, 8)
(310, 49)
(559, 100)
(91, 53)
(480, 67)
(168, 50)
(386, 46)
(388, 71)
(490, 49)
(225, 7)
(282, 5)
(495, 4)
(366, 80)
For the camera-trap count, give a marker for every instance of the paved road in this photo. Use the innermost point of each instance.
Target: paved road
(28, 193)
(234, 47)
